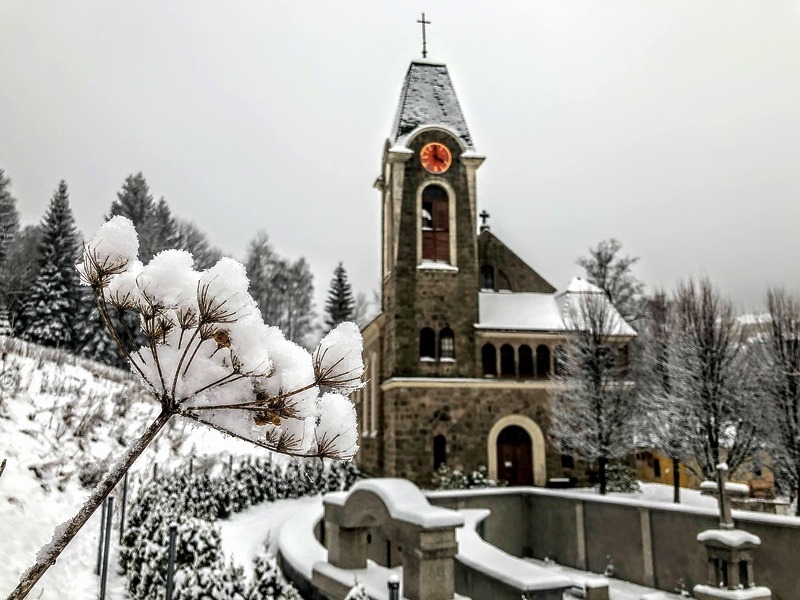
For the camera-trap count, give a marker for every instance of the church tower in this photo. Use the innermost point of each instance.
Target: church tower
(429, 239)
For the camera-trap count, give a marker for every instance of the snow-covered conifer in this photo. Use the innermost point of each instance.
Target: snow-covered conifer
(339, 304)
(9, 228)
(269, 582)
(50, 306)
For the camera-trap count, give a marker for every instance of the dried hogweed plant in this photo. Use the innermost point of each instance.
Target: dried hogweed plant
(198, 343)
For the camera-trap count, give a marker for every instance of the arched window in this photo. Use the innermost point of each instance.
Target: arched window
(439, 451)
(427, 344)
(487, 277)
(542, 361)
(447, 344)
(560, 361)
(525, 361)
(435, 224)
(503, 283)
(489, 359)
(507, 365)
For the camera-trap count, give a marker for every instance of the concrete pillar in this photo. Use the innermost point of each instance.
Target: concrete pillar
(347, 548)
(428, 571)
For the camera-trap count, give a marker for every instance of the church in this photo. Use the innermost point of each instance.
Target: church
(461, 357)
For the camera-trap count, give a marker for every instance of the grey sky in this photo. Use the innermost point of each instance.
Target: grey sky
(672, 125)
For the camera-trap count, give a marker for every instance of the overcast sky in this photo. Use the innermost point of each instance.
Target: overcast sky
(672, 125)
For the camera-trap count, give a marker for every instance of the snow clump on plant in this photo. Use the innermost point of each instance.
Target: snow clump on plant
(209, 356)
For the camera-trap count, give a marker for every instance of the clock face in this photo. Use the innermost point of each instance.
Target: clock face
(435, 157)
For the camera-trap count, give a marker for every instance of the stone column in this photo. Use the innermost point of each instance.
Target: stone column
(347, 548)
(428, 570)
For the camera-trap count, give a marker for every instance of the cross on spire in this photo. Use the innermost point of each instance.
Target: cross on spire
(423, 22)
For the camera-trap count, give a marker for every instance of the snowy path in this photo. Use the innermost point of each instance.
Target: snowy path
(244, 534)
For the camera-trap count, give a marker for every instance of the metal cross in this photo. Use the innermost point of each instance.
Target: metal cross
(484, 217)
(424, 40)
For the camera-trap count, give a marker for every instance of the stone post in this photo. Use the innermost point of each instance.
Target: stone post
(428, 570)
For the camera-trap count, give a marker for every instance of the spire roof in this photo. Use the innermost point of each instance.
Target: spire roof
(429, 98)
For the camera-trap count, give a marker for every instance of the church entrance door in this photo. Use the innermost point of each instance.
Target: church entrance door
(514, 462)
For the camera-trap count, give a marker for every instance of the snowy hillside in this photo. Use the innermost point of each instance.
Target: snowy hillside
(62, 420)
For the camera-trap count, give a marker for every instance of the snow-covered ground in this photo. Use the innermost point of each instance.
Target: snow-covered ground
(60, 420)
(245, 533)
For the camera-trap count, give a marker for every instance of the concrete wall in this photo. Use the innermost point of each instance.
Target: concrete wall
(649, 543)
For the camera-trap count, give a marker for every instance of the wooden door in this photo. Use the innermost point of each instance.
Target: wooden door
(514, 459)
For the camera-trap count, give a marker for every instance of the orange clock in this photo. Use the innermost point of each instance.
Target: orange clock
(435, 157)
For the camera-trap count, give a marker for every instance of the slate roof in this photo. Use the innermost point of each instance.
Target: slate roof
(429, 98)
(523, 311)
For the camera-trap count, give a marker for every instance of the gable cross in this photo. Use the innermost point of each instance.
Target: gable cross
(484, 217)
(424, 40)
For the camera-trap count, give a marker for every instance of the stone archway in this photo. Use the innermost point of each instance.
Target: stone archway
(537, 446)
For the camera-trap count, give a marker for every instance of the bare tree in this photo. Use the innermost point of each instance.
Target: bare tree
(781, 382)
(713, 380)
(612, 273)
(666, 424)
(595, 411)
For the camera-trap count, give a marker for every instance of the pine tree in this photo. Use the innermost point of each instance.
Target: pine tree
(269, 582)
(340, 304)
(50, 308)
(135, 202)
(9, 229)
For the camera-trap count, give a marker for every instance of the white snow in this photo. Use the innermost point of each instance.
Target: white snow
(752, 593)
(732, 538)
(244, 534)
(483, 557)
(405, 502)
(739, 489)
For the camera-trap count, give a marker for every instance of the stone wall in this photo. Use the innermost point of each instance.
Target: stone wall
(649, 543)
(464, 415)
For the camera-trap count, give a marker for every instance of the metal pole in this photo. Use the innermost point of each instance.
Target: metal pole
(124, 503)
(106, 546)
(173, 534)
(100, 540)
(394, 587)
(155, 470)
(191, 466)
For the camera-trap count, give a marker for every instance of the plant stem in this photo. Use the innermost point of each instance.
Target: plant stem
(66, 531)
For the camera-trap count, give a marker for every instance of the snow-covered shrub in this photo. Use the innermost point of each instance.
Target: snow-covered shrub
(220, 582)
(446, 478)
(621, 478)
(357, 592)
(269, 582)
(197, 547)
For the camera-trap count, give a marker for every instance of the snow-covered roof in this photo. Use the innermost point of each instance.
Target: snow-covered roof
(527, 311)
(428, 98)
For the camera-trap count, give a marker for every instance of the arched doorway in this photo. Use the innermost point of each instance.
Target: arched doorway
(536, 449)
(514, 456)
